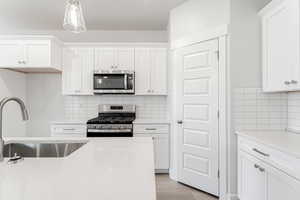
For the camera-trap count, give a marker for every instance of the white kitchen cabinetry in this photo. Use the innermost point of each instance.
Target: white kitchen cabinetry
(280, 49)
(68, 130)
(114, 59)
(160, 135)
(78, 69)
(151, 71)
(264, 173)
(31, 55)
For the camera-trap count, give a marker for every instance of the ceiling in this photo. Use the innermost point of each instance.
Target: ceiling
(99, 14)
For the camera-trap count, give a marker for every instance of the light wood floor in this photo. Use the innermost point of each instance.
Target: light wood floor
(168, 189)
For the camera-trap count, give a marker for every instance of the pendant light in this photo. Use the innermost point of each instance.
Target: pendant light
(74, 20)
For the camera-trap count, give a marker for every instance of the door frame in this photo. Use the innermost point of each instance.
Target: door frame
(224, 105)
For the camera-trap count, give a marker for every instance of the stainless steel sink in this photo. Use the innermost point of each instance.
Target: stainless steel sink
(41, 150)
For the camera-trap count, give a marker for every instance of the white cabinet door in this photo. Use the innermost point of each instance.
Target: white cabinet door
(281, 47)
(151, 71)
(158, 71)
(161, 146)
(142, 71)
(37, 53)
(105, 59)
(252, 180)
(281, 186)
(125, 59)
(11, 53)
(78, 71)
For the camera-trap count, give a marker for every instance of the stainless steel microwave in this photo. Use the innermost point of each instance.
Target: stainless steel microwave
(114, 82)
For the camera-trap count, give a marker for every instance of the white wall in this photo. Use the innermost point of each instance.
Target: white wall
(193, 16)
(13, 84)
(45, 103)
(100, 36)
(245, 62)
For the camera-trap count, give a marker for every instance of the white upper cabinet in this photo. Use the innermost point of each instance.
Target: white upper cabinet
(114, 59)
(151, 71)
(31, 55)
(78, 69)
(280, 49)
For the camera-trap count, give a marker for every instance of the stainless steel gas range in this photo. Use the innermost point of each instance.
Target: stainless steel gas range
(112, 121)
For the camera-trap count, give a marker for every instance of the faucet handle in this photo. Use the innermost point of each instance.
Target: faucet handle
(15, 159)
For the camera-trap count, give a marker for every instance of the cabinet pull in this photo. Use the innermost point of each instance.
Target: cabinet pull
(150, 129)
(262, 169)
(260, 152)
(287, 82)
(294, 82)
(69, 129)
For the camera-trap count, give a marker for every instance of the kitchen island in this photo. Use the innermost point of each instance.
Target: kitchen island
(102, 169)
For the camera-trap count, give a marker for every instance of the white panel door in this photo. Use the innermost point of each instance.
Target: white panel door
(252, 178)
(125, 59)
(37, 53)
(198, 74)
(158, 71)
(105, 59)
(281, 47)
(142, 71)
(11, 53)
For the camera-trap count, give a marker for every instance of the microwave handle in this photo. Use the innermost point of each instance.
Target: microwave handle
(125, 81)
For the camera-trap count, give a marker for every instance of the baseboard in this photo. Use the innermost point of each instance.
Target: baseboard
(232, 197)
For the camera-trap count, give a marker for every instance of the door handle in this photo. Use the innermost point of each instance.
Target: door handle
(179, 122)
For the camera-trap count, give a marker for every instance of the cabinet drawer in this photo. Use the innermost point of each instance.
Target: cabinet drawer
(150, 129)
(57, 130)
(278, 159)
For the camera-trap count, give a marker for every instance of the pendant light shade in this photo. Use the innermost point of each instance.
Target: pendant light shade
(74, 20)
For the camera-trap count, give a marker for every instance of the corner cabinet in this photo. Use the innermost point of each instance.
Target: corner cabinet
(281, 43)
(151, 71)
(264, 174)
(78, 67)
(31, 55)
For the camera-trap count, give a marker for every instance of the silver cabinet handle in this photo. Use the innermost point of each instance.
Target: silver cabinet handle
(262, 169)
(179, 122)
(150, 129)
(294, 82)
(259, 167)
(69, 129)
(260, 152)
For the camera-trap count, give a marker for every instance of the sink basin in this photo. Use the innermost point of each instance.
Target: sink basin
(41, 150)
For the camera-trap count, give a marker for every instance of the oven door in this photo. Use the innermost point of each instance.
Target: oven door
(113, 83)
(109, 133)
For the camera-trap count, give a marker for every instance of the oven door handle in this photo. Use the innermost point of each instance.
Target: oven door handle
(109, 131)
(125, 81)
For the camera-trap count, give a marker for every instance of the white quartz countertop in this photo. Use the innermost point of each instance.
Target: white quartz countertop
(151, 121)
(103, 169)
(284, 141)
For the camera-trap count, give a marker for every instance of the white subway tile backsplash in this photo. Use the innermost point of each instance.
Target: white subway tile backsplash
(82, 108)
(256, 110)
(294, 111)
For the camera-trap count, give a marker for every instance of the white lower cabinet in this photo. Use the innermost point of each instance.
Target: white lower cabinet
(160, 136)
(260, 180)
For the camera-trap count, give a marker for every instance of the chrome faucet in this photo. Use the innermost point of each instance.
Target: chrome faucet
(24, 116)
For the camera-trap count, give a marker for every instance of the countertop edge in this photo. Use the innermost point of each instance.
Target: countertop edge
(269, 144)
